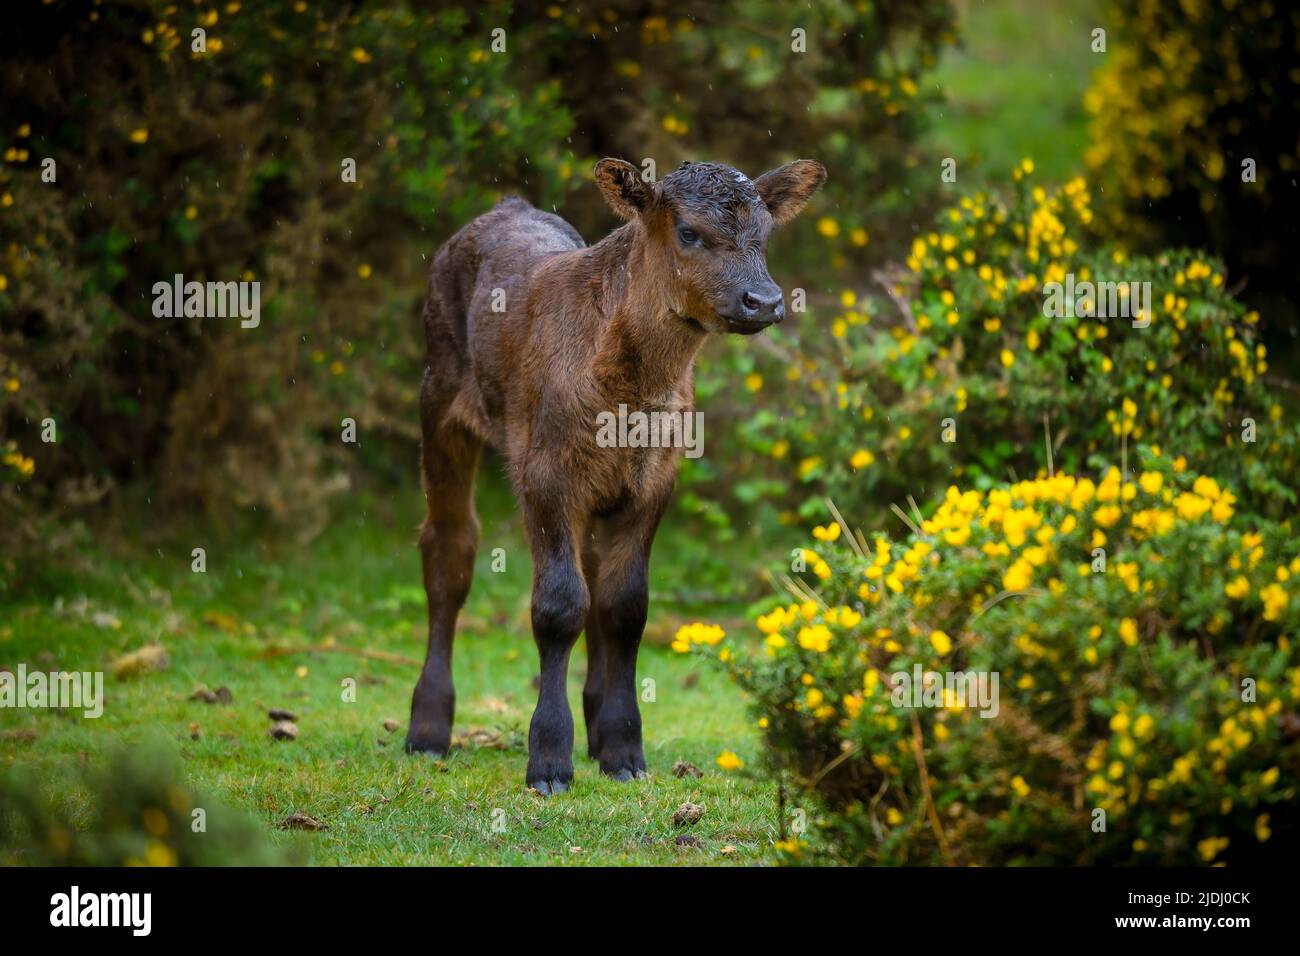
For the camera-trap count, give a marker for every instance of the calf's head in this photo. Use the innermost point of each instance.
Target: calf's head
(706, 227)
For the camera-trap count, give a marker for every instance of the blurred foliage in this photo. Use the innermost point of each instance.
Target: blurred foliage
(135, 810)
(1188, 92)
(1161, 686)
(223, 165)
(223, 161)
(755, 83)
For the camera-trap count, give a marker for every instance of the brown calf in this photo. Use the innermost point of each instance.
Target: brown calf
(531, 335)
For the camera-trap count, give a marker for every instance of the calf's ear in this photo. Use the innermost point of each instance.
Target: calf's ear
(623, 188)
(786, 189)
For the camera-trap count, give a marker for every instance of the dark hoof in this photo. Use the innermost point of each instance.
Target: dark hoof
(549, 777)
(624, 774)
(548, 788)
(428, 745)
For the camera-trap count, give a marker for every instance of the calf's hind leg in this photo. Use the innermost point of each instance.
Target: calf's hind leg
(593, 689)
(448, 542)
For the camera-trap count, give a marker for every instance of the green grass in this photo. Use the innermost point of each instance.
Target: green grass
(1015, 88)
(245, 624)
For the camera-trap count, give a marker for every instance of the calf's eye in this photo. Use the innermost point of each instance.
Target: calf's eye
(689, 237)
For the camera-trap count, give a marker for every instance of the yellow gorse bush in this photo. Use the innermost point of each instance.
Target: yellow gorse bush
(1142, 634)
(959, 374)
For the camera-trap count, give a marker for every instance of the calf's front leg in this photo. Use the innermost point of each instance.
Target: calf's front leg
(620, 604)
(559, 610)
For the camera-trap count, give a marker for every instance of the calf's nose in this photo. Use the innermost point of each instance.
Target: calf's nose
(763, 303)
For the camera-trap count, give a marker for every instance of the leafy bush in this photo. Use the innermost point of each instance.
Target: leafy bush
(963, 375)
(1161, 685)
(225, 164)
(139, 813)
(1186, 95)
(228, 164)
(756, 83)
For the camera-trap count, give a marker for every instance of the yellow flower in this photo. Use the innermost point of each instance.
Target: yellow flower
(1262, 831)
(363, 270)
(861, 459)
(1007, 358)
(729, 761)
(849, 618)
(1151, 481)
(828, 227)
(140, 135)
(1019, 576)
(941, 642)
(1206, 487)
(1237, 588)
(159, 854)
(1019, 786)
(753, 381)
(1275, 601)
(360, 55)
(828, 533)
(696, 633)
(1128, 632)
(816, 638)
(1211, 847)
(1191, 506)
(155, 821)
(1107, 515)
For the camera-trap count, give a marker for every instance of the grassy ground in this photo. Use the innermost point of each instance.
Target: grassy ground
(1015, 88)
(281, 629)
